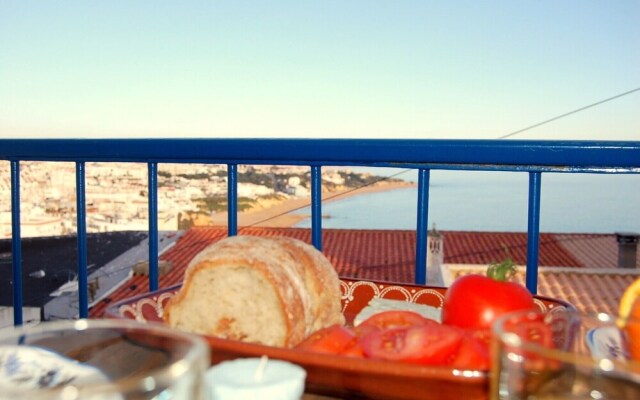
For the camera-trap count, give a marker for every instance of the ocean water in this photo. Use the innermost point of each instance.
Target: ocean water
(496, 201)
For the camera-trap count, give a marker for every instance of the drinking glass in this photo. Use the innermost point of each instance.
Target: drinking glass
(101, 359)
(565, 355)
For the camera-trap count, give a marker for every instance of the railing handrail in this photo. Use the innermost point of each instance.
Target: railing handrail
(532, 156)
(529, 155)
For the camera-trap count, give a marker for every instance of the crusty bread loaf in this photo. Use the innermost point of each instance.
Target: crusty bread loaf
(273, 291)
(322, 283)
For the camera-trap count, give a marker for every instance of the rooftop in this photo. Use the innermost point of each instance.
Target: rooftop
(579, 268)
(56, 258)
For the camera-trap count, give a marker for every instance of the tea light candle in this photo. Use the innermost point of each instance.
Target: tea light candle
(255, 378)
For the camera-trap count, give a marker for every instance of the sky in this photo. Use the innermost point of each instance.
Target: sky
(343, 69)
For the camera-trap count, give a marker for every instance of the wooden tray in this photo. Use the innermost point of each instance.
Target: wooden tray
(351, 378)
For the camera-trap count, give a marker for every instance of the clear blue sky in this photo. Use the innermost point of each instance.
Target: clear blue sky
(416, 69)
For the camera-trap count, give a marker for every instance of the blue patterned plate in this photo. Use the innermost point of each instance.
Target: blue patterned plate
(606, 342)
(29, 368)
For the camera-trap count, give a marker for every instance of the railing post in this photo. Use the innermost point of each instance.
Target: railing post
(81, 218)
(533, 231)
(16, 245)
(153, 226)
(316, 207)
(422, 226)
(232, 199)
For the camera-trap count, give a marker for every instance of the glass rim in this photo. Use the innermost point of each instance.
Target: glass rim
(156, 376)
(579, 359)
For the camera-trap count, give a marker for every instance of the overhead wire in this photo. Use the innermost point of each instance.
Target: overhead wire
(386, 178)
(597, 103)
(508, 135)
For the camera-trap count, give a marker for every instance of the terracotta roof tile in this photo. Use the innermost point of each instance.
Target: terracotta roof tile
(488, 247)
(600, 250)
(388, 255)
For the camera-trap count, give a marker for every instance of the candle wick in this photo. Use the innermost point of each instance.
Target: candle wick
(260, 370)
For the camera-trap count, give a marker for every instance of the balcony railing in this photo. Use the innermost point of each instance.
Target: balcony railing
(533, 157)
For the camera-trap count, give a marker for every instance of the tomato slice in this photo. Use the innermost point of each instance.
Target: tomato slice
(482, 335)
(533, 328)
(363, 330)
(354, 349)
(432, 344)
(330, 340)
(473, 354)
(392, 319)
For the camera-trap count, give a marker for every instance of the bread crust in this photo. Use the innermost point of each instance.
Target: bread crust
(306, 285)
(321, 281)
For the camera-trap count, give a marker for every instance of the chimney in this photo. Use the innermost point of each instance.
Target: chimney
(435, 257)
(627, 249)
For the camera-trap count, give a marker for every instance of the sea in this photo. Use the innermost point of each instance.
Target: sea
(494, 202)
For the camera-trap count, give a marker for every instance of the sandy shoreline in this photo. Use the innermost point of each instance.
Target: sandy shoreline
(279, 215)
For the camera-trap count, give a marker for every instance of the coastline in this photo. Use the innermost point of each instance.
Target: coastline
(278, 213)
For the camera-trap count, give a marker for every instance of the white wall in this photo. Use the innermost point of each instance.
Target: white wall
(30, 315)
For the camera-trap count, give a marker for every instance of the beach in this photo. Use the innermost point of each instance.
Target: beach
(464, 201)
(274, 213)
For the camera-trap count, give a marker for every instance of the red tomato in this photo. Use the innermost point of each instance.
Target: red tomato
(475, 301)
(473, 354)
(432, 344)
(331, 340)
(391, 319)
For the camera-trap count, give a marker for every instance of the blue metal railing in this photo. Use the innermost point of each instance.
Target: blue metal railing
(534, 157)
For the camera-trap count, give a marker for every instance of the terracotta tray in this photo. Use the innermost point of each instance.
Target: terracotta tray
(350, 378)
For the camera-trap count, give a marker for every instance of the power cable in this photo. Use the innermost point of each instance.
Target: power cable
(498, 138)
(99, 273)
(382, 179)
(568, 113)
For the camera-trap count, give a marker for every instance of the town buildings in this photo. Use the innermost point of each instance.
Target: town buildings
(117, 199)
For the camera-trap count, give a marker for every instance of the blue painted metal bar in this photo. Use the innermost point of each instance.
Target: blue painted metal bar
(16, 246)
(422, 227)
(565, 156)
(153, 225)
(232, 199)
(81, 218)
(316, 207)
(533, 231)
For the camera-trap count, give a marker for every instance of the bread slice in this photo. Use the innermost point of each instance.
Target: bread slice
(257, 289)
